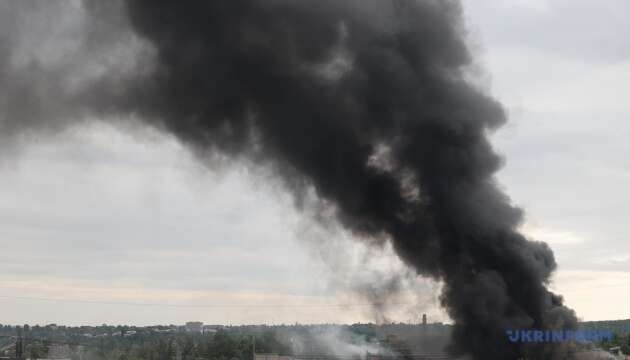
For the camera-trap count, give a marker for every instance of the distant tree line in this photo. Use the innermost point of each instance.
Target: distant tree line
(170, 342)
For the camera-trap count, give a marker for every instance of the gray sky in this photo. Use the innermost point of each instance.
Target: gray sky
(110, 218)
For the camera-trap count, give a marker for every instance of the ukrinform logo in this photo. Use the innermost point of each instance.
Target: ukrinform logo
(547, 336)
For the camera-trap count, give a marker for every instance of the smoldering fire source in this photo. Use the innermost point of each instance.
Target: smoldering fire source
(365, 101)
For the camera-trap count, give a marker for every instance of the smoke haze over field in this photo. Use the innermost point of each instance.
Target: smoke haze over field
(364, 104)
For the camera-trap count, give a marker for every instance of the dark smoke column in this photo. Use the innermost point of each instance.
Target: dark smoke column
(365, 101)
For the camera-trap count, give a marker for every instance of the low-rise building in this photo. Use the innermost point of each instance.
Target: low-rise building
(194, 326)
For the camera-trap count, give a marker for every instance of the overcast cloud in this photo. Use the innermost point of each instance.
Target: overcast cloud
(97, 214)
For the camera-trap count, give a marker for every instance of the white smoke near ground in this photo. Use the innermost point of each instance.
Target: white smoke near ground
(338, 342)
(374, 278)
(595, 355)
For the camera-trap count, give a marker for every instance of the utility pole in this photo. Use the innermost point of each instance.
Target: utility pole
(19, 345)
(253, 347)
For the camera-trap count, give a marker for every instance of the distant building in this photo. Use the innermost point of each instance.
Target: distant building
(209, 329)
(164, 330)
(194, 326)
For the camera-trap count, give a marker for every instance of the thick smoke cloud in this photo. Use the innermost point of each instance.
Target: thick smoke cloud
(364, 101)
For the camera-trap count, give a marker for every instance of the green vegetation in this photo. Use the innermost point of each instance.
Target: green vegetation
(172, 342)
(218, 342)
(620, 327)
(623, 342)
(620, 330)
(222, 344)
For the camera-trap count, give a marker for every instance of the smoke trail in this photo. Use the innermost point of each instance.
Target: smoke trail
(364, 101)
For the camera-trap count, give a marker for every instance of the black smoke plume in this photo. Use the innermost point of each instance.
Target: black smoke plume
(365, 101)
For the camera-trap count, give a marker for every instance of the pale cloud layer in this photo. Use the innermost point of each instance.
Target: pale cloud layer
(113, 219)
(102, 215)
(562, 68)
